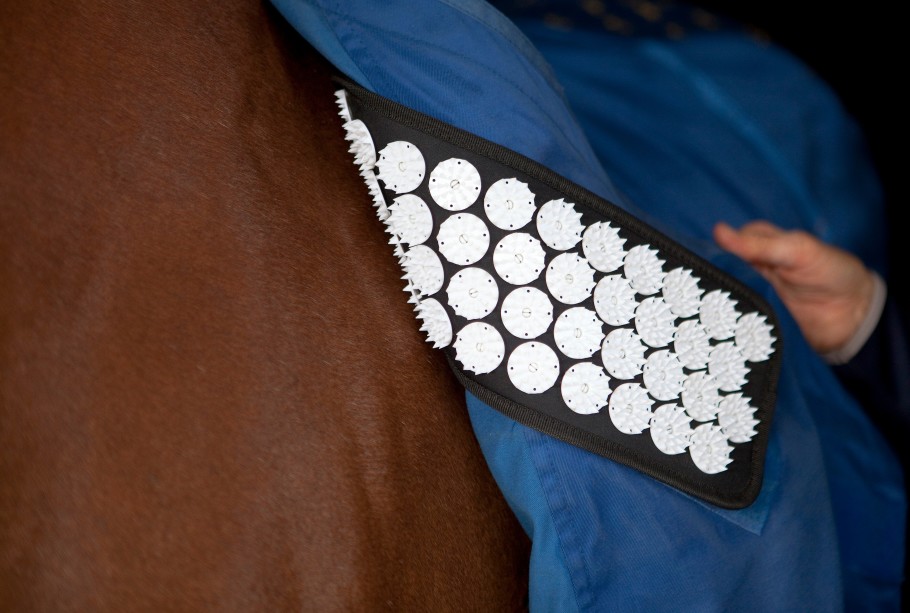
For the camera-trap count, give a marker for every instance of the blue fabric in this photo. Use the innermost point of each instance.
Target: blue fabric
(740, 126)
(712, 127)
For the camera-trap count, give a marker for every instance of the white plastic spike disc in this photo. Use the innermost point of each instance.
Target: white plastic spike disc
(623, 353)
(372, 183)
(578, 333)
(728, 367)
(644, 270)
(655, 322)
(518, 258)
(401, 166)
(737, 418)
(603, 246)
(709, 449)
(509, 204)
(700, 396)
(344, 110)
(663, 375)
(423, 270)
(692, 344)
(435, 322)
(479, 348)
(614, 300)
(569, 278)
(533, 367)
(472, 293)
(753, 337)
(358, 135)
(527, 312)
(585, 388)
(718, 314)
(463, 239)
(681, 292)
(410, 219)
(630, 408)
(671, 429)
(455, 184)
(559, 224)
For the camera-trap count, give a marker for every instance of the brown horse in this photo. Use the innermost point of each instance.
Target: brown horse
(213, 393)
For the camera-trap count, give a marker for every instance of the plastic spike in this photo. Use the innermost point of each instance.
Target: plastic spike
(342, 101)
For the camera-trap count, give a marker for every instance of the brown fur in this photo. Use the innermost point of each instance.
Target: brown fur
(213, 395)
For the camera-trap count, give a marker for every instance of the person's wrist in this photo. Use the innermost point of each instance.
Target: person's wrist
(868, 311)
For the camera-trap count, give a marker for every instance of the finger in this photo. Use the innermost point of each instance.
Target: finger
(737, 242)
(726, 236)
(762, 228)
(760, 243)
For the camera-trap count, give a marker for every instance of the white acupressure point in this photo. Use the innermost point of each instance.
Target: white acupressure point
(463, 239)
(623, 353)
(681, 292)
(569, 278)
(710, 449)
(753, 337)
(655, 322)
(663, 375)
(472, 293)
(578, 333)
(630, 408)
(401, 167)
(585, 388)
(455, 184)
(509, 204)
(518, 258)
(410, 219)
(718, 314)
(423, 270)
(737, 418)
(728, 366)
(603, 246)
(671, 429)
(527, 312)
(533, 367)
(692, 344)
(559, 224)
(644, 270)
(435, 322)
(700, 396)
(362, 148)
(614, 300)
(479, 348)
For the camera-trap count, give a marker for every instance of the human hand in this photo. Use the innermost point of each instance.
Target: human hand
(826, 289)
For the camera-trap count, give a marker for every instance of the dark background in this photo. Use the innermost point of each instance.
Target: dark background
(857, 51)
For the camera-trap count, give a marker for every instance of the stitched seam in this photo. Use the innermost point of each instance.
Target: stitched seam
(562, 545)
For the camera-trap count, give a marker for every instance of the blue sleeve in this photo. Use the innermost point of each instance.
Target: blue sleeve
(879, 377)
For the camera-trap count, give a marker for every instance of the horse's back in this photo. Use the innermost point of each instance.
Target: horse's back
(213, 394)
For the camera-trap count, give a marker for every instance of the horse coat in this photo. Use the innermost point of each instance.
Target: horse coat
(680, 133)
